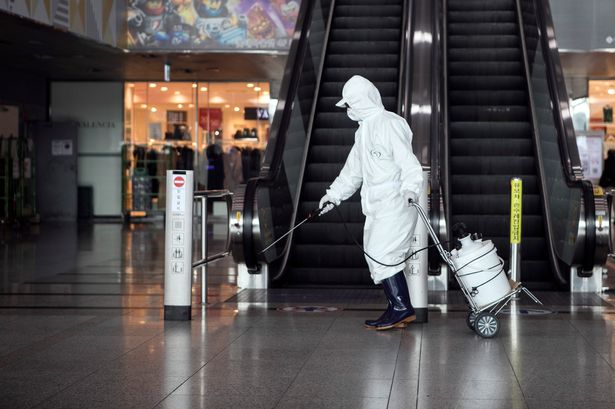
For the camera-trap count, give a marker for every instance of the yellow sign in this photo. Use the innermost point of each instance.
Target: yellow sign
(516, 200)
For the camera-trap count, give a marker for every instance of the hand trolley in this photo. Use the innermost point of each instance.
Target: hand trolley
(483, 320)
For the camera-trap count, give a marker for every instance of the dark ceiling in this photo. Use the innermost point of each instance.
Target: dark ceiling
(38, 49)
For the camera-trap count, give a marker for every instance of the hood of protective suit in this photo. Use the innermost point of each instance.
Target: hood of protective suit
(362, 97)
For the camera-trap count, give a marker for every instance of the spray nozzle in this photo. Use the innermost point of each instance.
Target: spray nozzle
(460, 231)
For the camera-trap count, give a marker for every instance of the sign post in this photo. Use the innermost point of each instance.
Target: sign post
(178, 246)
(516, 209)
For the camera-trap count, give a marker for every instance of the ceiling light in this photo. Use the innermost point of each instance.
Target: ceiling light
(143, 106)
(265, 92)
(203, 89)
(152, 85)
(227, 106)
(611, 91)
(176, 92)
(236, 109)
(191, 105)
(154, 109)
(194, 85)
(249, 85)
(257, 89)
(180, 105)
(131, 85)
(164, 89)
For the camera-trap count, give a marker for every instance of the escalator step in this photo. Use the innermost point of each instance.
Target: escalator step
(334, 89)
(364, 34)
(322, 256)
(350, 211)
(321, 172)
(372, 74)
(329, 233)
(350, 61)
(474, 16)
(485, 68)
(373, 3)
(502, 97)
(491, 184)
(491, 29)
(480, 5)
(491, 165)
(334, 120)
(501, 41)
(367, 23)
(357, 10)
(363, 47)
(479, 113)
(503, 130)
(486, 82)
(493, 147)
(484, 54)
(325, 154)
(499, 225)
(325, 136)
(327, 104)
(329, 276)
(532, 248)
(493, 204)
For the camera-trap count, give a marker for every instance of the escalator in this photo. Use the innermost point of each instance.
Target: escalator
(502, 113)
(311, 139)
(364, 39)
(481, 84)
(490, 131)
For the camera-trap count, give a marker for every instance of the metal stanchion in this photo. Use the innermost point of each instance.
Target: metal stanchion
(204, 249)
(516, 208)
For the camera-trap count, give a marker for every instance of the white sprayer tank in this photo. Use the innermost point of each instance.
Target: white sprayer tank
(481, 270)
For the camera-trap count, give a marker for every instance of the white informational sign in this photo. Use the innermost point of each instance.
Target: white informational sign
(590, 152)
(179, 194)
(61, 147)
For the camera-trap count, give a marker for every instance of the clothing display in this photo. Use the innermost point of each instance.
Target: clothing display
(233, 169)
(215, 168)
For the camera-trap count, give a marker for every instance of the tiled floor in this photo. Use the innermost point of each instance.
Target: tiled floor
(81, 327)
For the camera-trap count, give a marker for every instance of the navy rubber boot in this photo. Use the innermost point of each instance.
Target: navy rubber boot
(372, 324)
(401, 311)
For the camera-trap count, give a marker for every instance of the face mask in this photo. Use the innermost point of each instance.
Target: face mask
(352, 115)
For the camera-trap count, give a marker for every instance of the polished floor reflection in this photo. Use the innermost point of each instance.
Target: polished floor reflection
(81, 327)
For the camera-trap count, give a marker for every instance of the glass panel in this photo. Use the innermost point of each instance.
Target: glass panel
(564, 202)
(276, 203)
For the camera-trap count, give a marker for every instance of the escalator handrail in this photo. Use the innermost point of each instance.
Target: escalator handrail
(538, 151)
(405, 66)
(570, 154)
(573, 168)
(445, 173)
(272, 162)
(436, 119)
(286, 252)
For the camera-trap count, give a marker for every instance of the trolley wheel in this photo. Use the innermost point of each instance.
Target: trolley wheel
(486, 325)
(471, 319)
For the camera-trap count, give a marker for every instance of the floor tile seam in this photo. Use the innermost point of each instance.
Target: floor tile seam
(395, 367)
(52, 340)
(292, 382)
(592, 346)
(512, 367)
(418, 381)
(203, 366)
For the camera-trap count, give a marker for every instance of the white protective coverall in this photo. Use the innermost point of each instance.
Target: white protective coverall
(382, 161)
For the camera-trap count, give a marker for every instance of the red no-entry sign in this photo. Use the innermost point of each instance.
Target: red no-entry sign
(179, 181)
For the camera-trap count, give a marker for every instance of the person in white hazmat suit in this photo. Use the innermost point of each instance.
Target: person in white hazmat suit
(382, 163)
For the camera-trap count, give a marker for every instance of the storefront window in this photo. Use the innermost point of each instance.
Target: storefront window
(595, 130)
(219, 130)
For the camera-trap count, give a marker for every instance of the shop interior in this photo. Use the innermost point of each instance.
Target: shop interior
(217, 129)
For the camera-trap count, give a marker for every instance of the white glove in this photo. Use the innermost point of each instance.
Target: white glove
(328, 208)
(409, 196)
